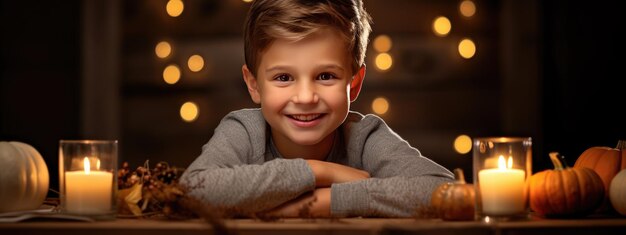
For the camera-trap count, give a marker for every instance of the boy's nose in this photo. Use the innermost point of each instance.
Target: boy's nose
(305, 94)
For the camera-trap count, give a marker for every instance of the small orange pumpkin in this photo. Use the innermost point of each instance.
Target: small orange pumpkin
(607, 162)
(565, 192)
(454, 200)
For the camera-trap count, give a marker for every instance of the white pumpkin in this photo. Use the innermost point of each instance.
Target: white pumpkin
(617, 192)
(24, 177)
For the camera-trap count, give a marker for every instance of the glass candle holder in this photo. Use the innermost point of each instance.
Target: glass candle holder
(88, 178)
(502, 168)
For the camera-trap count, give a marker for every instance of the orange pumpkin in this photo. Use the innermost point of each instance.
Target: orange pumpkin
(565, 192)
(607, 162)
(454, 200)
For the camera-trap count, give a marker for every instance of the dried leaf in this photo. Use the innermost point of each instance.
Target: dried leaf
(128, 198)
(133, 198)
(147, 197)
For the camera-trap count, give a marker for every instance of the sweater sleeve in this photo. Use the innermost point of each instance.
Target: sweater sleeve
(227, 175)
(401, 178)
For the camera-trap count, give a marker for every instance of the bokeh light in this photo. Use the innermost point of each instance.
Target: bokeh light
(174, 7)
(380, 105)
(171, 74)
(463, 144)
(195, 63)
(467, 48)
(467, 8)
(163, 49)
(383, 61)
(189, 111)
(382, 43)
(442, 26)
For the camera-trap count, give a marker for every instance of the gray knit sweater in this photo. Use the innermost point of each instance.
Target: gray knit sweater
(241, 168)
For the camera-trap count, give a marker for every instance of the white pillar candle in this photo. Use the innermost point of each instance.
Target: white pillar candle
(88, 192)
(502, 189)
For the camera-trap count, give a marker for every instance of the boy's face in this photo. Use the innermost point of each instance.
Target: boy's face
(305, 87)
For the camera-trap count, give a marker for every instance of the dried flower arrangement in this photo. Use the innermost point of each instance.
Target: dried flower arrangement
(156, 193)
(154, 188)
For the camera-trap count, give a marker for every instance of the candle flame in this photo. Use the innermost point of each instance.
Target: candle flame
(510, 162)
(98, 165)
(86, 165)
(505, 164)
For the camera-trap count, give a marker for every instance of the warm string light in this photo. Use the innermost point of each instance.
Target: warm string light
(163, 49)
(189, 111)
(174, 7)
(382, 43)
(383, 61)
(463, 144)
(467, 48)
(195, 63)
(380, 105)
(171, 74)
(442, 26)
(467, 8)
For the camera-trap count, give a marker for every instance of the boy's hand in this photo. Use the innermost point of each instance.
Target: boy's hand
(327, 173)
(315, 204)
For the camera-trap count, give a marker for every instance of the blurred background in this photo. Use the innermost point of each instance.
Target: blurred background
(158, 75)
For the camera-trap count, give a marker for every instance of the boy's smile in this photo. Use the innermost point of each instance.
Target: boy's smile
(306, 120)
(305, 89)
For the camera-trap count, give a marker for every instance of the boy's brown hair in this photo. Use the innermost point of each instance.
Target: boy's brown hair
(269, 20)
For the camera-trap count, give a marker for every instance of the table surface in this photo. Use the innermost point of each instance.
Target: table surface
(535, 226)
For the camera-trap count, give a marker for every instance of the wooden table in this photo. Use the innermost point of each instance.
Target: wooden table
(355, 226)
(534, 226)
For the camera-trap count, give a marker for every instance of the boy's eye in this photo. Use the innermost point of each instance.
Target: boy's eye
(283, 78)
(326, 76)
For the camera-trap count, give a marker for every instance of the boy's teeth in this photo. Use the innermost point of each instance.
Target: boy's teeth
(305, 117)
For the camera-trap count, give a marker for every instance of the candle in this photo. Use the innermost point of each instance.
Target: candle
(88, 192)
(502, 189)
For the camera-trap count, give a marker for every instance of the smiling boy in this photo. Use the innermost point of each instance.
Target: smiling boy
(304, 147)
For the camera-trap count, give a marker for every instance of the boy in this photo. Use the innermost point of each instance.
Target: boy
(304, 65)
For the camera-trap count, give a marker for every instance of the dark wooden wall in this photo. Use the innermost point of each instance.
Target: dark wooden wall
(40, 75)
(583, 77)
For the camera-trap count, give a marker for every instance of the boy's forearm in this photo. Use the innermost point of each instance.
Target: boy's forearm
(312, 204)
(328, 173)
(387, 197)
(250, 188)
(321, 206)
(321, 177)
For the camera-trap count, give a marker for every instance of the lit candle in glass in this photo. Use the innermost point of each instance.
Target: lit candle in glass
(502, 166)
(88, 178)
(502, 189)
(87, 191)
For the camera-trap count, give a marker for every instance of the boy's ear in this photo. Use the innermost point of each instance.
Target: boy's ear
(252, 85)
(357, 83)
